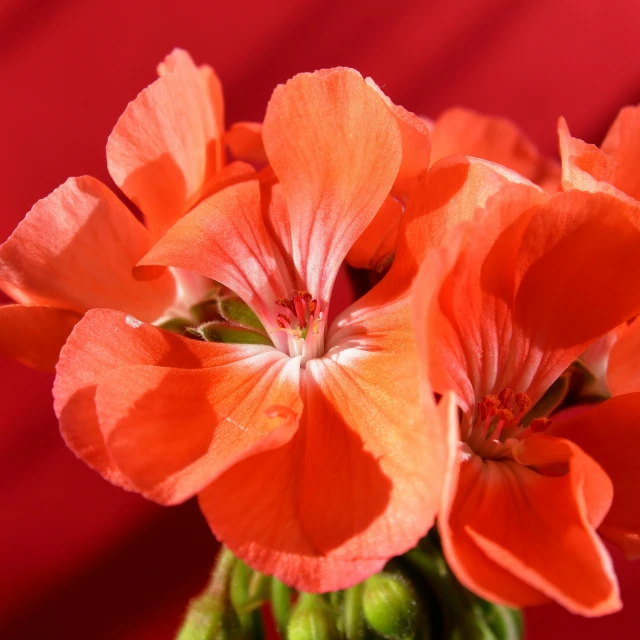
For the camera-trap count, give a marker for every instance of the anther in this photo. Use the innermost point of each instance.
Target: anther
(505, 414)
(313, 305)
(286, 303)
(282, 321)
(491, 402)
(505, 397)
(523, 401)
(539, 424)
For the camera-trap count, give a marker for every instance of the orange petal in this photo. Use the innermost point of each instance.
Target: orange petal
(225, 239)
(450, 193)
(463, 296)
(584, 166)
(244, 140)
(76, 249)
(277, 220)
(101, 342)
(231, 174)
(34, 335)
(521, 531)
(213, 88)
(336, 150)
(361, 480)
(166, 144)
(416, 145)
(375, 247)
(171, 431)
(609, 433)
(498, 305)
(623, 372)
(493, 138)
(622, 143)
(578, 268)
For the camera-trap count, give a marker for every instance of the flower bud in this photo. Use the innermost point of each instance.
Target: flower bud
(280, 605)
(312, 619)
(176, 325)
(504, 622)
(390, 606)
(217, 331)
(231, 629)
(236, 311)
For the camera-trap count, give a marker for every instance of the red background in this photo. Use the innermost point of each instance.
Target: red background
(82, 559)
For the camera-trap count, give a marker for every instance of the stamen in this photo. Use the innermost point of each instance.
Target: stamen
(506, 396)
(303, 323)
(282, 321)
(505, 414)
(286, 303)
(498, 420)
(523, 401)
(538, 425)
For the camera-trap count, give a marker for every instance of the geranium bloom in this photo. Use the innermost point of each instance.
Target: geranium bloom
(76, 248)
(502, 309)
(311, 456)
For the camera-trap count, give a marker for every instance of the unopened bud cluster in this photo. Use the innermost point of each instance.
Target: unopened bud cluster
(414, 597)
(221, 317)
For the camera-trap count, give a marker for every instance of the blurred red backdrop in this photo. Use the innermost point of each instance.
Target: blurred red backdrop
(78, 557)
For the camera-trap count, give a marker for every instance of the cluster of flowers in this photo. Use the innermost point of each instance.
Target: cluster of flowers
(488, 382)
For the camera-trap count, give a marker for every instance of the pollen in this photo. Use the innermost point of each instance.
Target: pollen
(538, 425)
(499, 418)
(506, 396)
(523, 401)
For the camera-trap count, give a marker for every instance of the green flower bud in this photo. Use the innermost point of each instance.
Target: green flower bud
(236, 311)
(504, 622)
(231, 629)
(280, 604)
(390, 606)
(217, 331)
(312, 619)
(206, 311)
(176, 325)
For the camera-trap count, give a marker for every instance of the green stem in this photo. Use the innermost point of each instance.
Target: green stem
(205, 612)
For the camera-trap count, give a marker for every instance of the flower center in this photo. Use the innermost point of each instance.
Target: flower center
(302, 320)
(499, 418)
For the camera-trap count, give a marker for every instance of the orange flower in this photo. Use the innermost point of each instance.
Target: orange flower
(501, 310)
(76, 248)
(310, 457)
